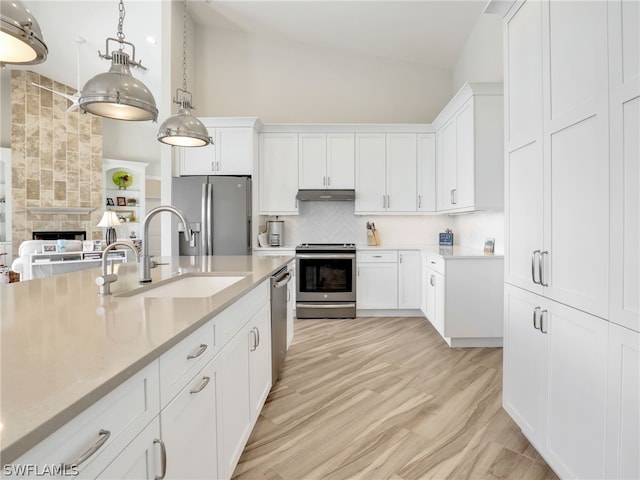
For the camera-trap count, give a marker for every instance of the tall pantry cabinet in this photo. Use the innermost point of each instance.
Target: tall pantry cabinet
(572, 111)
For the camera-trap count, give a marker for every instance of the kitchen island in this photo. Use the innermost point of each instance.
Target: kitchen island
(64, 347)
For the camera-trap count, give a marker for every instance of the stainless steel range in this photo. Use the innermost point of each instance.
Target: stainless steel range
(326, 280)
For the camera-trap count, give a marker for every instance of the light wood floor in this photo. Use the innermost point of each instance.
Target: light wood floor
(386, 398)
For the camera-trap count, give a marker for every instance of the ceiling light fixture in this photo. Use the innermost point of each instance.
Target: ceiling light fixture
(21, 41)
(183, 129)
(117, 94)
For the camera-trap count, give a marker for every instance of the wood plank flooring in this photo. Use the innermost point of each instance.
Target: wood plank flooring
(386, 398)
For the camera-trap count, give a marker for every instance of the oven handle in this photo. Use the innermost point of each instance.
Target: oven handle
(321, 256)
(333, 305)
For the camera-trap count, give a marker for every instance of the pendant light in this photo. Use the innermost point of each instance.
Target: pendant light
(21, 41)
(183, 129)
(117, 94)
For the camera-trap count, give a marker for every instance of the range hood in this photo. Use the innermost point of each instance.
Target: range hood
(326, 195)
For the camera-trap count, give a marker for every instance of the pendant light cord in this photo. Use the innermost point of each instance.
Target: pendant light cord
(184, 48)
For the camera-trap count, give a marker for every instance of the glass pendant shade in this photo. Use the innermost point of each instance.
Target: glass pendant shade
(184, 130)
(21, 41)
(117, 94)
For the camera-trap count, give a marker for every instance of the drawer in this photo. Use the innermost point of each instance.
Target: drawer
(123, 413)
(435, 262)
(377, 256)
(182, 362)
(229, 322)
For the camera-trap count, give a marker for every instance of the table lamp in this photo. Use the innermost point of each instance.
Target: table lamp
(109, 220)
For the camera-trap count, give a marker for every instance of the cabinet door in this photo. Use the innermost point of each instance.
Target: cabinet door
(291, 302)
(430, 293)
(409, 284)
(189, 428)
(278, 179)
(234, 147)
(401, 172)
(446, 166)
(259, 336)
(233, 414)
(312, 153)
(525, 362)
(370, 173)
(341, 159)
(623, 404)
(198, 160)
(426, 172)
(576, 155)
(464, 193)
(577, 385)
(377, 285)
(624, 97)
(141, 460)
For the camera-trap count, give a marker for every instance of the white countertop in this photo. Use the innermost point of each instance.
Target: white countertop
(64, 346)
(450, 253)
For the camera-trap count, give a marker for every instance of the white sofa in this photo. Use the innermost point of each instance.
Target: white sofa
(21, 264)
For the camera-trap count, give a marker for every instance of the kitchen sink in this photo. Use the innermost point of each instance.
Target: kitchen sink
(188, 286)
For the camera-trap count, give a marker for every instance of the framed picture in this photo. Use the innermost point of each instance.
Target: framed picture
(122, 201)
(97, 245)
(49, 248)
(126, 215)
(110, 202)
(87, 246)
(132, 202)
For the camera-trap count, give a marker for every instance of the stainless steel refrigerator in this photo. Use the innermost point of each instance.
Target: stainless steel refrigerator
(219, 212)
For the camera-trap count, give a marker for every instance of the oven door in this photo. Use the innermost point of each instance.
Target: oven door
(326, 277)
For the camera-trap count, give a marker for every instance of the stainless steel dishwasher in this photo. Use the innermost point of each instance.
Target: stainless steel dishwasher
(278, 321)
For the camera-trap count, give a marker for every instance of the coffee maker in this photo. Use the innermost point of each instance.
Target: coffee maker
(275, 233)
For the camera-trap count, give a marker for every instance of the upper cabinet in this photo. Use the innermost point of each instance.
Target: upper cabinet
(326, 161)
(278, 173)
(387, 172)
(426, 160)
(231, 153)
(470, 154)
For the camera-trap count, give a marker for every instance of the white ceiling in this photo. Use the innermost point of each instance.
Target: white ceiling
(425, 31)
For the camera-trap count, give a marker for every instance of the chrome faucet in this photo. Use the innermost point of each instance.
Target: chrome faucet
(145, 258)
(106, 279)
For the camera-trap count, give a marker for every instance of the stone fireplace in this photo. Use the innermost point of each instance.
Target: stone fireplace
(56, 161)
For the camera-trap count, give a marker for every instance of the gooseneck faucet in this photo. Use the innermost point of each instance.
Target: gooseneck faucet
(145, 258)
(105, 280)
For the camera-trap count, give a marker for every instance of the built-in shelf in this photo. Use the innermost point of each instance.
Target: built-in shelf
(60, 210)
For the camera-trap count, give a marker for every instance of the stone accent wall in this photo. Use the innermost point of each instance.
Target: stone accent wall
(56, 159)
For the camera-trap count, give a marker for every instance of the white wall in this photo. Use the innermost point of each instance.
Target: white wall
(241, 75)
(481, 58)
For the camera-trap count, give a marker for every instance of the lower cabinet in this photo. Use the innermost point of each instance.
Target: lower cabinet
(291, 302)
(409, 283)
(189, 427)
(259, 331)
(555, 381)
(434, 299)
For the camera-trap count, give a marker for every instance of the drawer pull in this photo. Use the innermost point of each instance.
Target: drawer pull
(199, 388)
(104, 436)
(163, 450)
(377, 256)
(200, 351)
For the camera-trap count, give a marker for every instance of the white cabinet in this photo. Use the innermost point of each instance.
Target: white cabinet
(623, 404)
(476, 321)
(409, 281)
(327, 161)
(125, 193)
(291, 302)
(377, 280)
(426, 172)
(231, 152)
(371, 174)
(556, 381)
(624, 125)
(386, 167)
(259, 332)
(470, 159)
(278, 175)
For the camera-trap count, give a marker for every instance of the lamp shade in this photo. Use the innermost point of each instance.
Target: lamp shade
(117, 94)
(184, 130)
(21, 41)
(109, 219)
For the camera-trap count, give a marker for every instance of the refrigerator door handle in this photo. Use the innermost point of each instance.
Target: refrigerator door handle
(203, 222)
(209, 219)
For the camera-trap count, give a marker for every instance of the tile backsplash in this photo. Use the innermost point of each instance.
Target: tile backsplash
(336, 222)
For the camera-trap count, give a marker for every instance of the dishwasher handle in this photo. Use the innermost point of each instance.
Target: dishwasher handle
(282, 281)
